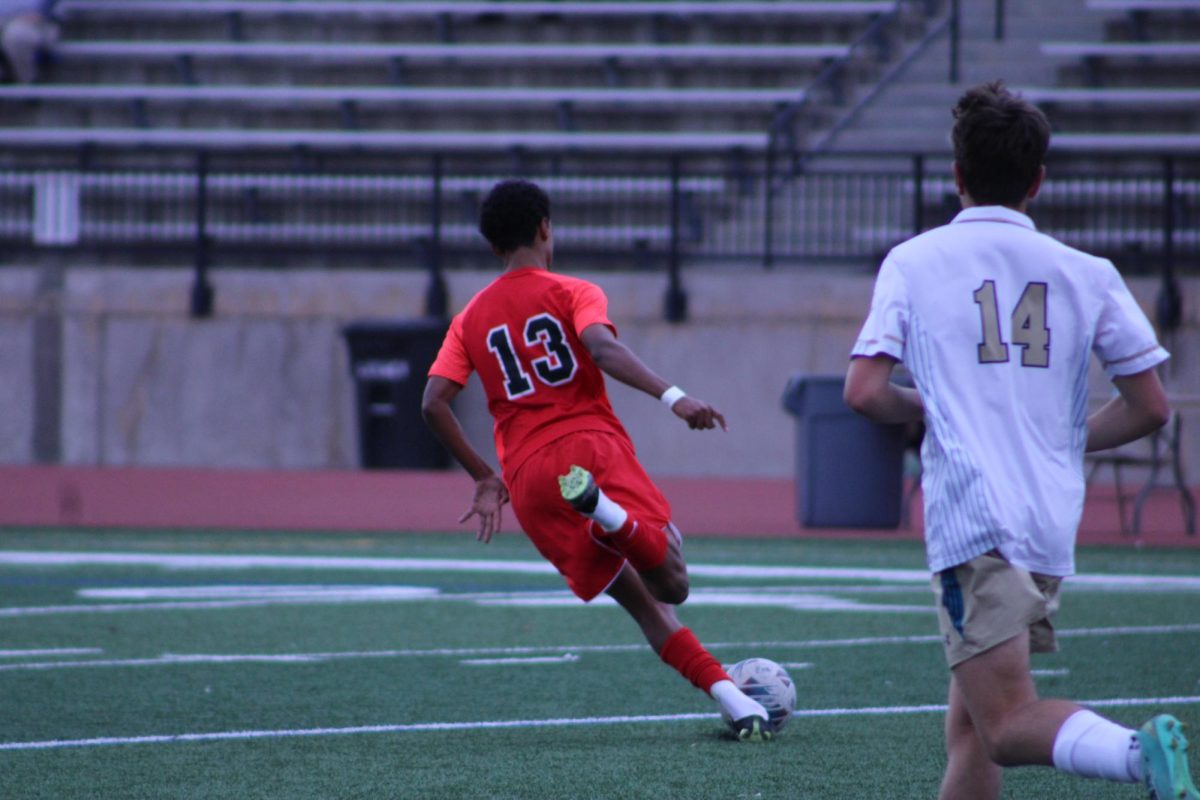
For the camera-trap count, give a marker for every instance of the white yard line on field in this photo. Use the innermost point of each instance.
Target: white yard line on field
(181, 738)
(780, 598)
(57, 651)
(565, 658)
(209, 597)
(174, 659)
(270, 591)
(204, 561)
(193, 561)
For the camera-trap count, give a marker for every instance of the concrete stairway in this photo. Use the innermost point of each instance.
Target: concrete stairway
(913, 113)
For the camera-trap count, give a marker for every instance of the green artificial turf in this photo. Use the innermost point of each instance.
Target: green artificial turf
(296, 727)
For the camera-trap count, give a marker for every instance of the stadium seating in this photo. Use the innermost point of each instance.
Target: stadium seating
(438, 141)
(411, 80)
(515, 67)
(1130, 95)
(466, 8)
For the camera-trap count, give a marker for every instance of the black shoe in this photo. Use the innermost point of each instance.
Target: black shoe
(753, 729)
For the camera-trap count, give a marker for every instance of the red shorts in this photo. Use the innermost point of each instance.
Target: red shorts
(562, 534)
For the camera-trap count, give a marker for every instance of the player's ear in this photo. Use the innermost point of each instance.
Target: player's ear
(959, 184)
(1036, 186)
(544, 229)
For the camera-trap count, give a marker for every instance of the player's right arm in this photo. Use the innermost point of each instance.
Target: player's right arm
(1140, 408)
(870, 392)
(447, 376)
(490, 492)
(616, 359)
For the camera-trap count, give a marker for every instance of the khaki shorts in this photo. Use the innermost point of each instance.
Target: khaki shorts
(987, 601)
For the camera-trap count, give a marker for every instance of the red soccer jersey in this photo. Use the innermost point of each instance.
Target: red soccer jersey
(521, 334)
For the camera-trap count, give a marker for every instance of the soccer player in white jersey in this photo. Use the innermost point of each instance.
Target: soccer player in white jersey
(996, 323)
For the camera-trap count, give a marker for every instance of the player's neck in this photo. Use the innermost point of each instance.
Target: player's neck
(526, 257)
(969, 202)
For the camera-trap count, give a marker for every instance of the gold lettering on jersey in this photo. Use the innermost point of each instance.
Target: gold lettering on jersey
(992, 349)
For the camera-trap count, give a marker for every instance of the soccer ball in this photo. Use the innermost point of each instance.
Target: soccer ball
(768, 683)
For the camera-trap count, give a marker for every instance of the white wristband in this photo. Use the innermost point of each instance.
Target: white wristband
(671, 396)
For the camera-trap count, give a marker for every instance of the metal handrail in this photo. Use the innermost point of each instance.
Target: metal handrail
(783, 124)
(688, 208)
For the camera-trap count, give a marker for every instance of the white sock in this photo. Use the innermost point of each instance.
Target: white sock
(608, 514)
(734, 702)
(1089, 745)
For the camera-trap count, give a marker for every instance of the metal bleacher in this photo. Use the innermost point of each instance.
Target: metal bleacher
(467, 8)
(1134, 90)
(519, 72)
(1125, 111)
(273, 90)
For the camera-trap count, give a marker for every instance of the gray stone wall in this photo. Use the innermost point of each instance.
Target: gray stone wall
(265, 382)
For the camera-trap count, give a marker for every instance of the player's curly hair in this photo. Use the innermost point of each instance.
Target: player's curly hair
(1000, 140)
(511, 213)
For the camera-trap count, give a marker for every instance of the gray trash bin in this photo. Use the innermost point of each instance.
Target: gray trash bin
(849, 470)
(388, 360)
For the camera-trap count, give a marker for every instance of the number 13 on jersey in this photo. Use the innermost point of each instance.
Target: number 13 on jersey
(555, 368)
(1029, 330)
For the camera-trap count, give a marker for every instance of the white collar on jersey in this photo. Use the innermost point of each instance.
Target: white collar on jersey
(994, 214)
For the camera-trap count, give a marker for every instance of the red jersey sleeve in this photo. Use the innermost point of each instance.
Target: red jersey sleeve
(590, 307)
(452, 361)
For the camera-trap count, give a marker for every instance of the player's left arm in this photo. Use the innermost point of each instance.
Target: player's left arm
(1139, 409)
(615, 359)
(490, 492)
(870, 391)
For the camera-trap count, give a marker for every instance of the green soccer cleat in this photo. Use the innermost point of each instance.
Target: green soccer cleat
(1164, 760)
(753, 729)
(579, 489)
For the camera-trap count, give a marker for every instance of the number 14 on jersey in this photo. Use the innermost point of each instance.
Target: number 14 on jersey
(1029, 330)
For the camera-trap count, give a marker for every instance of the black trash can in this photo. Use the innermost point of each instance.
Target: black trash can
(849, 470)
(389, 361)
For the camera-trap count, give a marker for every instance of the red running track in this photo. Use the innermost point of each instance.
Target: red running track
(95, 497)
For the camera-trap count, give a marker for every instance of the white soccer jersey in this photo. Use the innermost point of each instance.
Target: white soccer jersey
(996, 321)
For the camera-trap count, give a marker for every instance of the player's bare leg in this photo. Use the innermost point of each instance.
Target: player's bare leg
(1015, 727)
(970, 773)
(657, 620)
(678, 647)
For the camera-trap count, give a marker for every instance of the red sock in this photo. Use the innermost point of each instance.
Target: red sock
(644, 545)
(684, 652)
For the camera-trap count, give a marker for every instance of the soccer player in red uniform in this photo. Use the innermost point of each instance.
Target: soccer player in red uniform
(540, 343)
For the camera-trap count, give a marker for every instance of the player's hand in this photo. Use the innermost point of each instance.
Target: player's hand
(699, 415)
(490, 497)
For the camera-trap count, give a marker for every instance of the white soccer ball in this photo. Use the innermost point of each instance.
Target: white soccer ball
(768, 683)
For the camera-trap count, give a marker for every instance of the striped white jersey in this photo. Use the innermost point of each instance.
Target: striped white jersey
(996, 322)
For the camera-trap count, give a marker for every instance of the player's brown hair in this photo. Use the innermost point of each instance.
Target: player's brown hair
(1000, 140)
(511, 213)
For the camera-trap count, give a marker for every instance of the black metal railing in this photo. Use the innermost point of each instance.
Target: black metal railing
(661, 213)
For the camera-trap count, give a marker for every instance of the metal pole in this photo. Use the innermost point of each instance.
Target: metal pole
(955, 33)
(202, 290)
(768, 256)
(1169, 306)
(1000, 19)
(675, 302)
(436, 296)
(918, 193)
